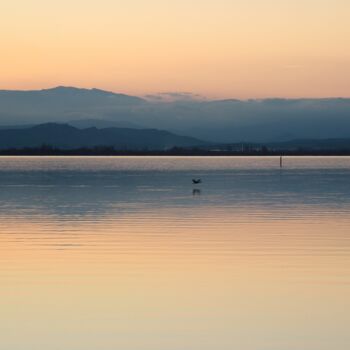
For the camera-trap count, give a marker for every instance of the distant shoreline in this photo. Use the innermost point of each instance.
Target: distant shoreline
(107, 151)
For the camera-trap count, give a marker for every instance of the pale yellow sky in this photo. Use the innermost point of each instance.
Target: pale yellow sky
(221, 48)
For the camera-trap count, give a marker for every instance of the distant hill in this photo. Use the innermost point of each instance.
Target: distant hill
(63, 104)
(102, 124)
(219, 121)
(324, 144)
(65, 136)
(84, 124)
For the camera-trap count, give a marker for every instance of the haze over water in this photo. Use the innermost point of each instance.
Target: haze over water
(102, 253)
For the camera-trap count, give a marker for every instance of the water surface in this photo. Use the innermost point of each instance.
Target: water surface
(102, 253)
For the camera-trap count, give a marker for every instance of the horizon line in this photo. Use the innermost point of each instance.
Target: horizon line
(166, 96)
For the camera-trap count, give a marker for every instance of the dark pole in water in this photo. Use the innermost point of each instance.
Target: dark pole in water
(281, 162)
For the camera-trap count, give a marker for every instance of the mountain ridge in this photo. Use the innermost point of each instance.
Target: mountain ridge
(66, 136)
(227, 121)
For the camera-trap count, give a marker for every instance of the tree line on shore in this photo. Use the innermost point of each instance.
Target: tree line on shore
(245, 150)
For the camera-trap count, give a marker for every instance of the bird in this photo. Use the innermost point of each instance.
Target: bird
(196, 181)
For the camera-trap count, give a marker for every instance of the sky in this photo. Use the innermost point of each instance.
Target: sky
(215, 48)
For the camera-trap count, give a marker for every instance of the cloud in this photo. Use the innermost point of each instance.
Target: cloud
(175, 96)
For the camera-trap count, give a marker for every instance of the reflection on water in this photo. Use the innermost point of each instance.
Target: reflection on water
(196, 192)
(125, 253)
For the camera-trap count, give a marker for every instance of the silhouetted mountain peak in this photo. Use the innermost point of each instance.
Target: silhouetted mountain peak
(103, 124)
(68, 137)
(255, 120)
(64, 89)
(70, 90)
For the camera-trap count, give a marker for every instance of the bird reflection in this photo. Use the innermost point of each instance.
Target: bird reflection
(196, 192)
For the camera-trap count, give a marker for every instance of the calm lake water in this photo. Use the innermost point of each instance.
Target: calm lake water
(106, 253)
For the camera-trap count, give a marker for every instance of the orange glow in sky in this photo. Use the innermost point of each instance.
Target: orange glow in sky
(221, 48)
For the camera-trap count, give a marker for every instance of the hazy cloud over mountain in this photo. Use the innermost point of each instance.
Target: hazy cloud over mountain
(174, 96)
(216, 120)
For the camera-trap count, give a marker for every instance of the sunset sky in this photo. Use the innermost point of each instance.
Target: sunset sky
(221, 48)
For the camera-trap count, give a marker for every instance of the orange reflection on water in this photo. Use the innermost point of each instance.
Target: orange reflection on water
(176, 280)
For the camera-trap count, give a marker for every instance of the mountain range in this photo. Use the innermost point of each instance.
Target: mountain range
(65, 136)
(221, 121)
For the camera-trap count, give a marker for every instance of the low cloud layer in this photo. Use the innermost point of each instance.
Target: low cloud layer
(184, 113)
